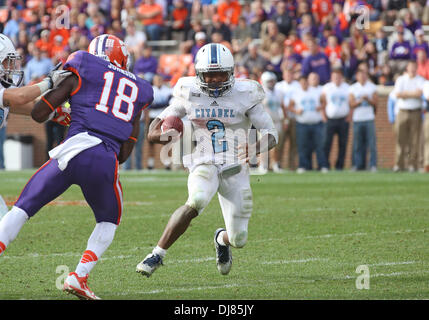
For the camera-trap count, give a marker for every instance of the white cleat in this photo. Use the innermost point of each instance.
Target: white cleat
(149, 264)
(223, 255)
(78, 286)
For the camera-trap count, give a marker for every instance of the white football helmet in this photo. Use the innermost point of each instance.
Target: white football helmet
(214, 57)
(268, 79)
(10, 69)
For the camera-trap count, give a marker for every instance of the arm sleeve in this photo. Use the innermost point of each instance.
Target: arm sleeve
(262, 121)
(3, 110)
(176, 108)
(391, 109)
(1, 97)
(397, 88)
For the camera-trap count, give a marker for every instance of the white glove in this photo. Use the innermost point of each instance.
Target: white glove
(58, 76)
(53, 79)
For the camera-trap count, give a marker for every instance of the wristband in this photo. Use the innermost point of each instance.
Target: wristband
(43, 86)
(133, 139)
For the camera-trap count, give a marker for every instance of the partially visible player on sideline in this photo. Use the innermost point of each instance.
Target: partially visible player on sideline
(221, 110)
(21, 100)
(106, 102)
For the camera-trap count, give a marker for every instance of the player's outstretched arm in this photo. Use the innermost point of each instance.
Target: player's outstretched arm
(54, 98)
(128, 146)
(21, 99)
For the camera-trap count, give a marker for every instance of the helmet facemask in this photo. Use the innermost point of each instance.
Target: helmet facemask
(215, 89)
(11, 73)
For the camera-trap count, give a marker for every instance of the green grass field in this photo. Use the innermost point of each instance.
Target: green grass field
(307, 235)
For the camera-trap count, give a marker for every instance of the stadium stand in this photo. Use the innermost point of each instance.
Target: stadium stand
(348, 32)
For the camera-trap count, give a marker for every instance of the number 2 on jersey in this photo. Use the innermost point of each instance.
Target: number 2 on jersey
(218, 128)
(120, 97)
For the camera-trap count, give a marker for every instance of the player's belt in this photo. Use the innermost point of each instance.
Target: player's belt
(231, 170)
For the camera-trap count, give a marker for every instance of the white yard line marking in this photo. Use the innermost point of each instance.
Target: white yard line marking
(391, 263)
(331, 235)
(231, 285)
(294, 261)
(380, 275)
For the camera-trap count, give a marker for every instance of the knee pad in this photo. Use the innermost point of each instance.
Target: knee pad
(239, 239)
(198, 200)
(246, 204)
(199, 197)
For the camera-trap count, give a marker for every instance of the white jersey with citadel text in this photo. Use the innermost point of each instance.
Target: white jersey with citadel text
(219, 124)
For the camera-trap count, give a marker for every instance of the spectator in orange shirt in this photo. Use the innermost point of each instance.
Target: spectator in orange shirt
(57, 47)
(151, 17)
(333, 48)
(298, 45)
(44, 43)
(229, 11)
(321, 9)
(63, 32)
(422, 64)
(180, 16)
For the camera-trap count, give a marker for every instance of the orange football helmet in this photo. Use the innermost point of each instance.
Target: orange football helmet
(110, 48)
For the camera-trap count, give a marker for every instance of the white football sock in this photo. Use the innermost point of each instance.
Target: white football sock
(98, 242)
(219, 238)
(10, 225)
(159, 251)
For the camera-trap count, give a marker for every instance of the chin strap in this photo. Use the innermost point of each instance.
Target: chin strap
(5, 84)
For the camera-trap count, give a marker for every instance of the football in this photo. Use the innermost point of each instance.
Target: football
(172, 122)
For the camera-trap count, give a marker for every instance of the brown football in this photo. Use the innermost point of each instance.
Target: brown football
(172, 122)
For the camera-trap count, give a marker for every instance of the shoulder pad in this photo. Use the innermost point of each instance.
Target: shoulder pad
(185, 88)
(250, 89)
(74, 60)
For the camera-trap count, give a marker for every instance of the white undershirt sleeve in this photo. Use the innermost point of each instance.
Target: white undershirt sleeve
(1, 96)
(262, 121)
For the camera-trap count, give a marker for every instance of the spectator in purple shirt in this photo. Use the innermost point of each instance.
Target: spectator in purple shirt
(307, 26)
(146, 66)
(420, 44)
(290, 58)
(410, 23)
(400, 53)
(317, 62)
(401, 49)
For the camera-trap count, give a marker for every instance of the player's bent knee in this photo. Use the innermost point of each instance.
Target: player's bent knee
(198, 200)
(239, 239)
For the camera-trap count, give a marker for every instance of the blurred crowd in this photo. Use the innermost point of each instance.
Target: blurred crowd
(294, 40)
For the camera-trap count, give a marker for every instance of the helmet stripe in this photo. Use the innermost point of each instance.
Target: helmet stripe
(103, 45)
(95, 47)
(100, 44)
(213, 53)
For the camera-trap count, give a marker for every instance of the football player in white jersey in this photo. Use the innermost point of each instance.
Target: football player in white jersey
(21, 100)
(221, 110)
(273, 105)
